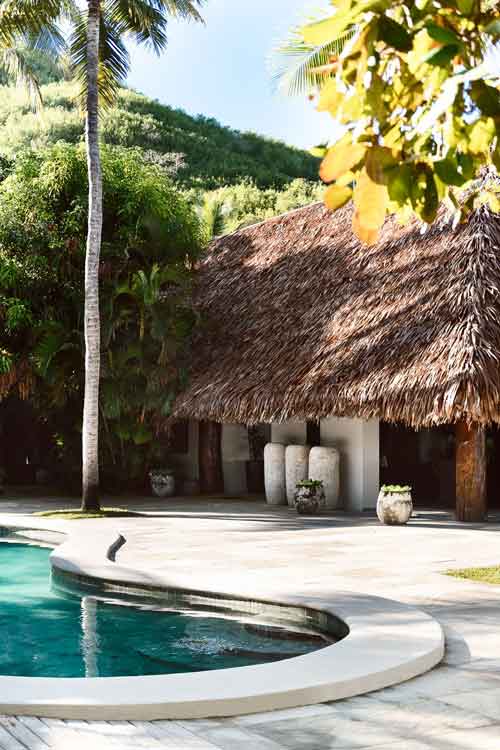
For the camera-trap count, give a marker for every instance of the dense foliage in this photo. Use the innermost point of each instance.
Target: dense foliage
(44, 67)
(201, 151)
(151, 238)
(235, 206)
(416, 88)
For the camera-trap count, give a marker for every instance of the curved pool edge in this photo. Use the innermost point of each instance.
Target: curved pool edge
(388, 643)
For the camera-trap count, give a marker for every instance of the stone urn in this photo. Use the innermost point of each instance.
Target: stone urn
(324, 466)
(296, 469)
(309, 497)
(394, 505)
(162, 482)
(274, 474)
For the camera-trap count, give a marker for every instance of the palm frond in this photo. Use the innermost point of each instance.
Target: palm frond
(18, 17)
(144, 19)
(114, 61)
(295, 63)
(213, 216)
(183, 8)
(15, 64)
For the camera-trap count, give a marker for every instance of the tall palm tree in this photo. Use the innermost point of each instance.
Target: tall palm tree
(99, 29)
(101, 62)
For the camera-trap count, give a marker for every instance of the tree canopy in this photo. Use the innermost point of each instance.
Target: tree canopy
(198, 151)
(151, 239)
(416, 89)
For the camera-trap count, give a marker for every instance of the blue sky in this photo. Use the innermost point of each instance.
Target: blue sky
(221, 69)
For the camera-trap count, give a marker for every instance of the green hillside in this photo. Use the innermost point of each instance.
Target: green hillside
(198, 151)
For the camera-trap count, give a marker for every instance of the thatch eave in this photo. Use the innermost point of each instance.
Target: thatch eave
(301, 322)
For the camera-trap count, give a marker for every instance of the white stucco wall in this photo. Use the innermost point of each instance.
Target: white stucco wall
(289, 433)
(235, 454)
(358, 443)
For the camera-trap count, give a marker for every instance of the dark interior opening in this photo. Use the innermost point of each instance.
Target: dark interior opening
(425, 459)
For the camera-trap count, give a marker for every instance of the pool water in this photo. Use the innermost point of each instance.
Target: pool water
(44, 633)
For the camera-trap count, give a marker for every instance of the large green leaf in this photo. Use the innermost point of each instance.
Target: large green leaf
(394, 34)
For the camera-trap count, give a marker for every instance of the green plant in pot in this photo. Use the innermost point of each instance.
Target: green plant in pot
(309, 497)
(162, 482)
(394, 504)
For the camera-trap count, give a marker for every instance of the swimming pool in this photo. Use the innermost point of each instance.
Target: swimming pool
(46, 632)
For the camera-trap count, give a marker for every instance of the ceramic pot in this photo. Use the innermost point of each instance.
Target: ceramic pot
(324, 466)
(309, 500)
(162, 483)
(394, 508)
(296, 468)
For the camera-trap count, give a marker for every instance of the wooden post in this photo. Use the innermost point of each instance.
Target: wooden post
(470, 476)
(210, 457)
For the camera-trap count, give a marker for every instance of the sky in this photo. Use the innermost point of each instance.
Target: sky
(221, 69)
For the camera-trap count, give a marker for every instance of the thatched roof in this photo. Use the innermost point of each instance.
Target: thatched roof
(302, 322)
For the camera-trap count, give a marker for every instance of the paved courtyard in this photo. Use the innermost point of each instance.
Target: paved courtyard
(262, 551)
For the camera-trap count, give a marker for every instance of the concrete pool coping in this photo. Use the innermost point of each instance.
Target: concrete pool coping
(388, 642)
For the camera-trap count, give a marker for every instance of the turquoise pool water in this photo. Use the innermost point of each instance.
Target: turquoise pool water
(44, 633)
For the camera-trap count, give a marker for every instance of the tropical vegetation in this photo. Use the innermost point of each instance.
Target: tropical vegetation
(197, 151)
(151, 239)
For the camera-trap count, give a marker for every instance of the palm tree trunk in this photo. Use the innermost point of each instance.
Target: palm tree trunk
(90, 447)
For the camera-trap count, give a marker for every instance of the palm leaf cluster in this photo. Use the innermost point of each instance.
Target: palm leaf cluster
(36, 24)
(298, 65)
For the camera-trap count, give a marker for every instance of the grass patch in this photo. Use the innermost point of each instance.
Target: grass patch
(73, 514)
(482, 575)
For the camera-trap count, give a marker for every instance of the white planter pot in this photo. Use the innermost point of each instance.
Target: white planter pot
(274, 474)
(296, 469)
(394, 508)
(324, 465)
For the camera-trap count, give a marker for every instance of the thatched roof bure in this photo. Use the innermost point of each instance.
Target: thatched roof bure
(300, 321)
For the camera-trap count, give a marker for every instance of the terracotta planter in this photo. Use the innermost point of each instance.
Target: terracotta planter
(309, 498)
(162, 482)
(394, 508)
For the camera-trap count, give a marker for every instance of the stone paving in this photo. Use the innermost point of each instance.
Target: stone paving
(264, 551)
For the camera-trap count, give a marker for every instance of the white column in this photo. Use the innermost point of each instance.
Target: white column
(235, 454)
(357, 441)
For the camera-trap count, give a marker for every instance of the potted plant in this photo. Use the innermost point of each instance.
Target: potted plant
(394, 504)
(162, 482)
(309, 497)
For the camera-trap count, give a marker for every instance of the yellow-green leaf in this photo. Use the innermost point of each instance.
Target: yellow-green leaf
(378, 161)
(481, 136)
(337, 196)
(365, 234)
(330, 98)
(370, 201)
(340, 159)
(321, 32)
